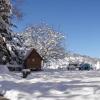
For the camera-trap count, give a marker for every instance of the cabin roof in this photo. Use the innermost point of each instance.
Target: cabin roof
(29, 53)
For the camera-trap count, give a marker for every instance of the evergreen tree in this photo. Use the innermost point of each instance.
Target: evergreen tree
(5, 31)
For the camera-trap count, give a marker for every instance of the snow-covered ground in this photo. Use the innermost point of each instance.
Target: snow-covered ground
(52, 85)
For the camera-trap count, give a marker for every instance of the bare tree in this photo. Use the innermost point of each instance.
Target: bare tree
(45, 40)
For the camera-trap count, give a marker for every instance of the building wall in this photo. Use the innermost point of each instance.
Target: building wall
(33, 61)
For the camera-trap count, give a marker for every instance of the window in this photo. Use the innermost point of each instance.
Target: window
(33, 60)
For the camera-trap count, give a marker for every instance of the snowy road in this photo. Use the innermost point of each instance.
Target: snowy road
(52, 85)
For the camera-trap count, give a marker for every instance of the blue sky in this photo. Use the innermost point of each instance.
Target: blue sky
(79, 20)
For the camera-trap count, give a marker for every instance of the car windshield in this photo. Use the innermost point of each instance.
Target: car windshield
(86, 65)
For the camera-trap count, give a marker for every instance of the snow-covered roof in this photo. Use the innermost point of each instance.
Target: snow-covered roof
(29, 52)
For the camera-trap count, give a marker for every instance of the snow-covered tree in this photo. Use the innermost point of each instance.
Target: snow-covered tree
(45, 40)
(5, 31)
(7, 43)
(16, 48)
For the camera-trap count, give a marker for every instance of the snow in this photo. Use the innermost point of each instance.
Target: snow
(4, 69)
(52, 85)
(56, 64)
(28, 53)
(97, 66)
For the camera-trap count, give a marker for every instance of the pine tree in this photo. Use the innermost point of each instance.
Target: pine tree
(5, 31)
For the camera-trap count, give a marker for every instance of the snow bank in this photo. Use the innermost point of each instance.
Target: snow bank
(4, 69)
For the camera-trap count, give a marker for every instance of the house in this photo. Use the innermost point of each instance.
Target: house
(32, 60)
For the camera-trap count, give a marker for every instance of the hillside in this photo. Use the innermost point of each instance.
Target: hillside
(73, 58)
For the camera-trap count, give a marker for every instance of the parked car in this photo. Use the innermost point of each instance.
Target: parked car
(85, 66)
(73, 66)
